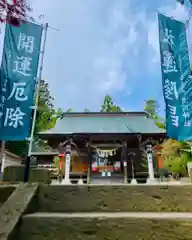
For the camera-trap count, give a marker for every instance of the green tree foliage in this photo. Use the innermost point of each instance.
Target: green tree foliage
(181, 1)
(69, 110)
(109, 106)
(47, 114)
(175, 156)
(174, 153)
(46, 119)
(176, 164)
(151, 108)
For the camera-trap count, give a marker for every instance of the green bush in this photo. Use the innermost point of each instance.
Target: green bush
(16, 174)
(176, 164)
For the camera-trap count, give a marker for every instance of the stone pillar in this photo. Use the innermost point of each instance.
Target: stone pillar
(67, 163)
(65, 147)
(147, 147)
(151, 178)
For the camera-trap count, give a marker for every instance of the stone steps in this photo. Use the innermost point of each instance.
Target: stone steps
(108, 212)
(145, 215)
(108, 226)
(115, 198)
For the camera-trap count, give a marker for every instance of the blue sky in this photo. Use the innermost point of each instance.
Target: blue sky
(103, 47)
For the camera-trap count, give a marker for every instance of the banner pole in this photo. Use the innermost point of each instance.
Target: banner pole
(27, 163)
(2, 158)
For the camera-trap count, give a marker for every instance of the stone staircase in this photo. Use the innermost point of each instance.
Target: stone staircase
(120, 212)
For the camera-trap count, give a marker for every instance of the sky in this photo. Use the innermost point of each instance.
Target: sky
(99, 47)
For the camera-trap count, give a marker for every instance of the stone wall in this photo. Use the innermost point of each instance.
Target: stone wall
(13, 209)
(140, 198)
(5, 192)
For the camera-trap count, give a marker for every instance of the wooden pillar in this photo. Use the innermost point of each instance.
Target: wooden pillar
(89, 173)
(124, 160)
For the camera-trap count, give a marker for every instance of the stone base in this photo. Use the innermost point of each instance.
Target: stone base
(152, 181)
(66, 182)
(133, 181)
(80, 182)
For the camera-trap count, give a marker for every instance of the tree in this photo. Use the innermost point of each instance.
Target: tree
(182, 2)
(86, 110)
(46, 115)
(69, 110)
(14, 12)
(175, 155)
(177, 165)
(46, 119)
(109, 106)
(151, 108)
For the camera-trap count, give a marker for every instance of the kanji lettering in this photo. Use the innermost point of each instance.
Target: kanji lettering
(18, 91)
(26, 43)
(2, 99)
(174, 117)
(170, 90)
(22, 66)
(168, 37)
(5, 85)
(183, 100)
(14, 117)
(169, 63)
(186, 116)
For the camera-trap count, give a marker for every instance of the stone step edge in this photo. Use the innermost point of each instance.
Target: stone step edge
(139, 215)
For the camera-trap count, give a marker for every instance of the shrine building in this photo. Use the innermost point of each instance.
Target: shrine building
(110, 146)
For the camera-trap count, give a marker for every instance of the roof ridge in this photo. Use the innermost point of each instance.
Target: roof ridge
(84, 114)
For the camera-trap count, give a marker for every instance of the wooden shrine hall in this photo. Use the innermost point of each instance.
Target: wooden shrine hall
(109, 146)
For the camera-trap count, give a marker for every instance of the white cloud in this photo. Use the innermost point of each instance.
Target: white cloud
(84, 60)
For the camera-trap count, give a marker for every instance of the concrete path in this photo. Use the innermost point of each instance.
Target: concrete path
(147, 215)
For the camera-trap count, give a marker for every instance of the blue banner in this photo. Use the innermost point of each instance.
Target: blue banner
(176, 78)
(18, 79)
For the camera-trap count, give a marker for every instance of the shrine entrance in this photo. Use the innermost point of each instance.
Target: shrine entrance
(106, 165)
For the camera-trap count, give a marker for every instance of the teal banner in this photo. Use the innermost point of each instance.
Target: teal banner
(176, 78)
(18, 80)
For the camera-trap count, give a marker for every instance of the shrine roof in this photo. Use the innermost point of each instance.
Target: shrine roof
(106, 123)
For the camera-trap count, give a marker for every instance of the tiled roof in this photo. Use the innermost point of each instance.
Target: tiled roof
(128, 123)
